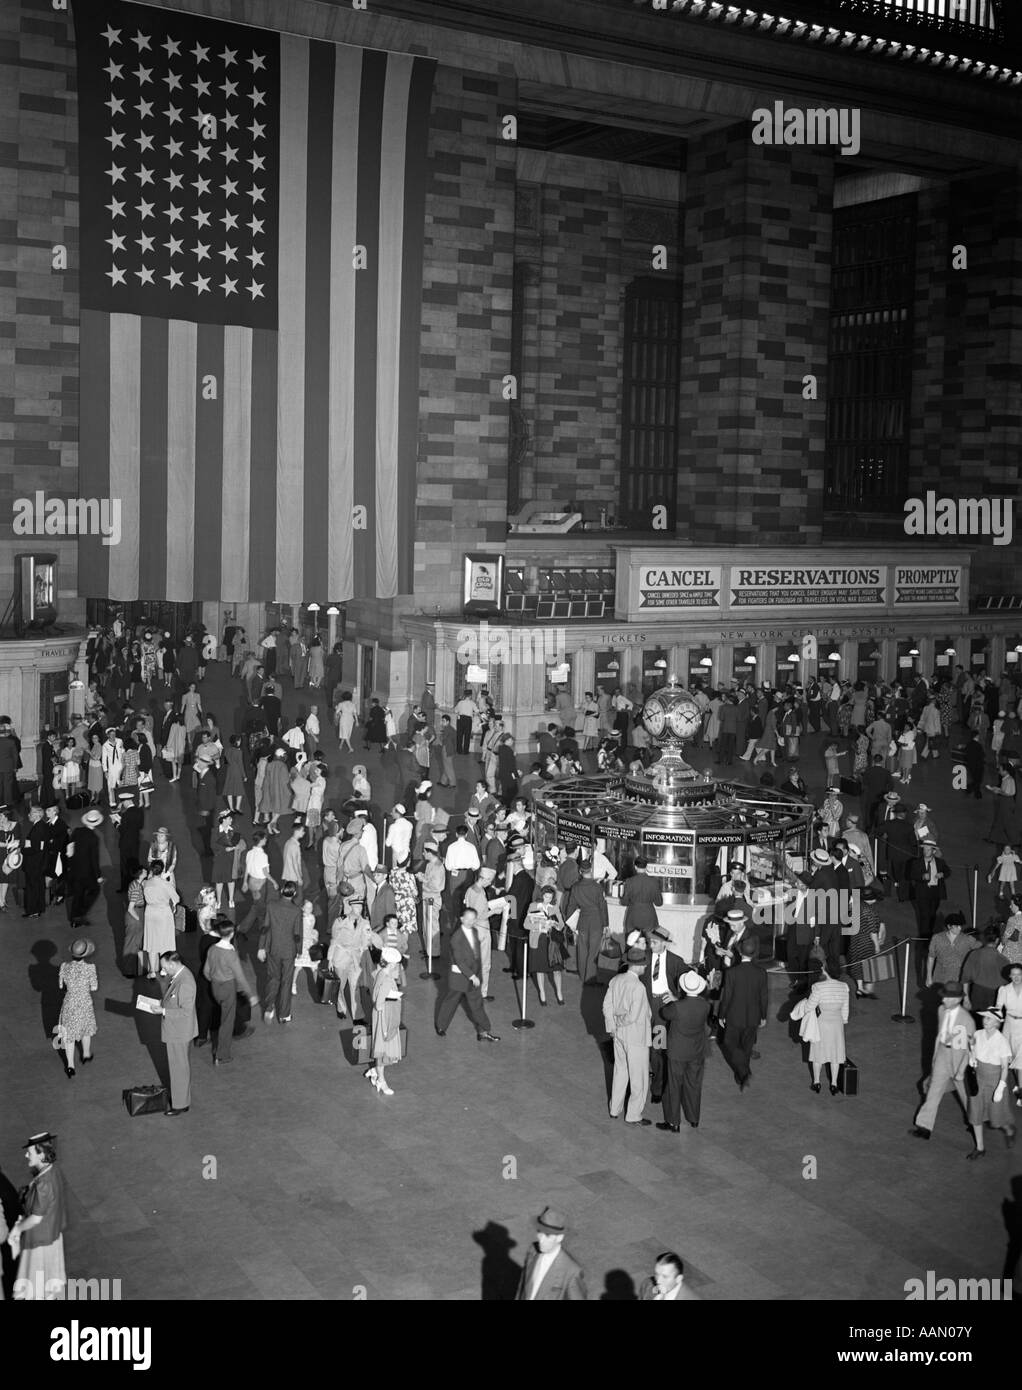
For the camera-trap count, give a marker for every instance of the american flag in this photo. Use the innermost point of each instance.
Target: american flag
(249, 375)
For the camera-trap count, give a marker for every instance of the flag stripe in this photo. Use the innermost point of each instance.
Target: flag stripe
(152, 457)
(416, 174)
(366, 292)
(125, 408)
(340, 478)
(209, 456)
(94, 445)
(263, 497)
(237, 443)
(393, 131)
(294, 75)
(181, 391)
(318, 267)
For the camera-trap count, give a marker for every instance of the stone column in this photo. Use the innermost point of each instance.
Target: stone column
(756, 321)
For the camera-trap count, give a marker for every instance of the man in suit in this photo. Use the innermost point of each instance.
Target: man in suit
(550, 1274)
(876, 783)
(627, 1018)
(974, 758)
(178, 1029)
(641, 896)
(81, 871)
(686, 1019)
(464, 981)
(928, 877)
(660, 978)
(279, 943)
(955, 1029)
(58, 836)
(667, 1282)
(129, 819)
(587, 898)
(743, 1010)
(902, 847)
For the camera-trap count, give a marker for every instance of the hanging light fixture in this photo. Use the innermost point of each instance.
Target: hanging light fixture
(660, 665)
(706, 661)
(333, 611)
(913, 651)
(750, 660)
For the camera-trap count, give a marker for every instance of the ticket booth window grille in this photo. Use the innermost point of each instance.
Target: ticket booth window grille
(979, 654)
(653, 676)
(607, 671)
(558, 680)
(700, 667)
(53, 700)
(867, 662)
(908, 665)
(786, 665)
(742, 669)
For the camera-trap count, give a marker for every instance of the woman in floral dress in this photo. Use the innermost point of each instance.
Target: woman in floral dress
(406, 895)
(77, 1023)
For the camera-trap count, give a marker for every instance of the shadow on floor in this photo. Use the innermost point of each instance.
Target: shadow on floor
(499, 1273)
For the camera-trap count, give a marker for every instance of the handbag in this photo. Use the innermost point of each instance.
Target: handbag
(145, 1100)
(180, 918)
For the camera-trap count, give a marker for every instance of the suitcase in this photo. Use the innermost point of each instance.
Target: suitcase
(848, 1078)
(608, 964)
(145, 1100)
(877, 968)
(77, 801)
(850, 786)
(329, 987)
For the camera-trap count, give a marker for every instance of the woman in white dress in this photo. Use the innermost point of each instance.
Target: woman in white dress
(1009, 998)
(590, 722)
(991, 1057)
(158, 930)
(830, 997)
(347, 717)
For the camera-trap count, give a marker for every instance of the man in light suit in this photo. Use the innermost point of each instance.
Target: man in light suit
(955, 1030)
(667, 1282)
(178, 1028)
(627, 1017)
(550, 1274)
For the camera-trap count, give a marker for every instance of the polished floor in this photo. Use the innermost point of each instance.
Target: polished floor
(291, 1178)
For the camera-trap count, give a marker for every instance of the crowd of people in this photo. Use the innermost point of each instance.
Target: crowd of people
(357, 885)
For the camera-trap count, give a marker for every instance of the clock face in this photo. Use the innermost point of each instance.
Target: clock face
(684, 720)
(654, 717)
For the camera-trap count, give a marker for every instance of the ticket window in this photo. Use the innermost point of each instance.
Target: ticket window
(653, 675)
(979, 655)
(786, 666)
(558, 685)
(945, 657)
(829, 663)
(867, 662)
(607, 671)
(908, 665)
(743, 666)
(700, 667)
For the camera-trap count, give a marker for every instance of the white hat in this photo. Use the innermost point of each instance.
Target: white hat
(736, 915)
(922, 806)
(422, 787)
(691, 983)
(397, 810)
(820, 856)
(390, 955)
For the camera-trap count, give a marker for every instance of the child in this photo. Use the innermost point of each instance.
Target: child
(310, 940)
(1004, 873)
(360, 787)
(831, 754)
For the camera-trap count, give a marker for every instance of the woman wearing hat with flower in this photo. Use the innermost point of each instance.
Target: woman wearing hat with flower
(387, 996)
(77, 1023)
(10, 854)
(990, 1054)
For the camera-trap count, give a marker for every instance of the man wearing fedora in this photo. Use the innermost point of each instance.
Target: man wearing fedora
(686, 1018)
(660, 978)
(641, 896)
(81, 870)
(628, 1019)
(928, 876)
(877, 782)
(951, 1053)
(743, 1010)
(902, 846)
(35, 863)
(177, 1029)
(551, 1275)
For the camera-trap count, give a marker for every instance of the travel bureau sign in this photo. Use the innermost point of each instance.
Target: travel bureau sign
(653, 585)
